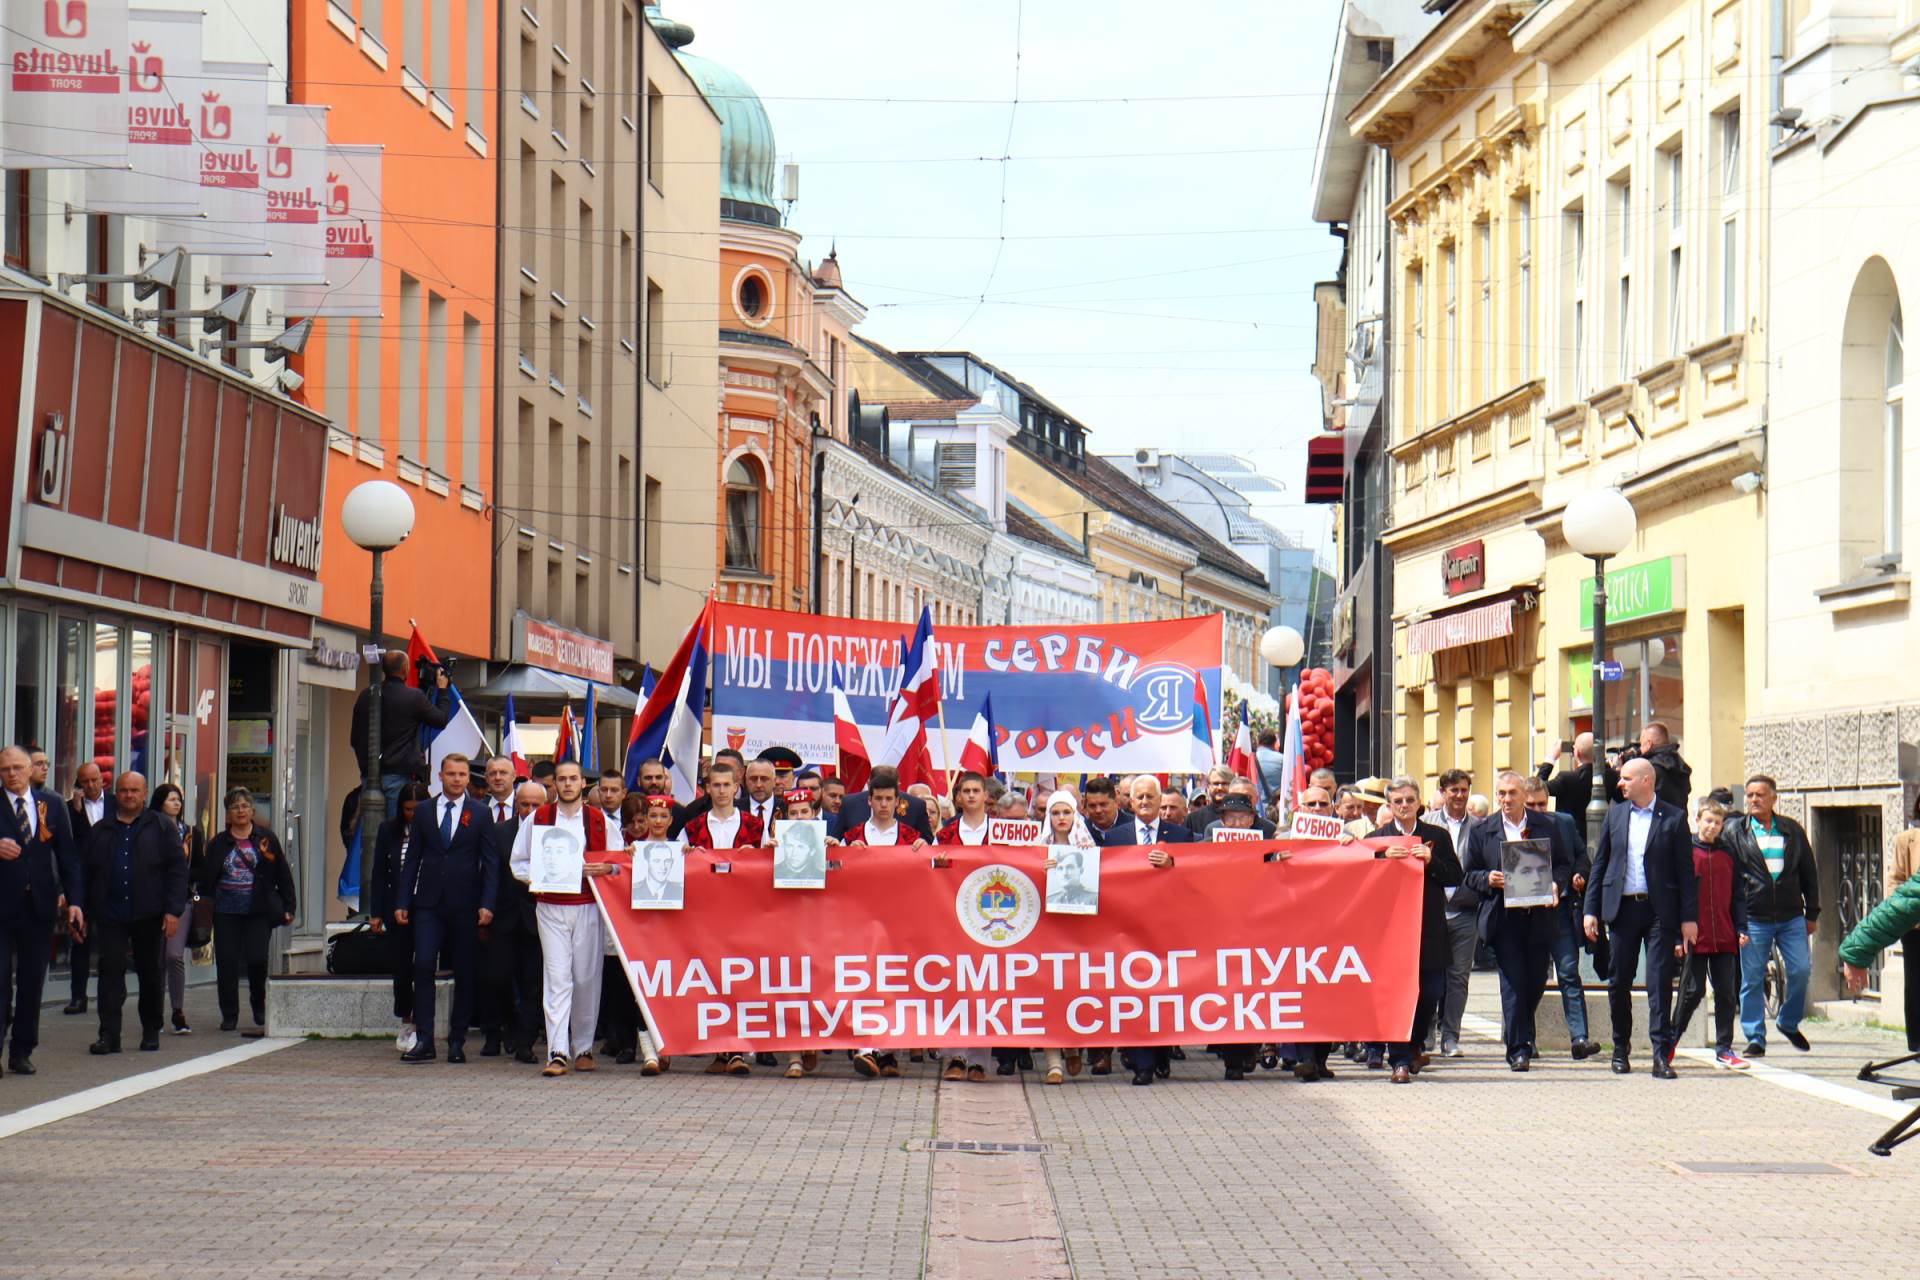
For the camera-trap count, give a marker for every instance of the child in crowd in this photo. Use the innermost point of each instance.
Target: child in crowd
(1723, 931)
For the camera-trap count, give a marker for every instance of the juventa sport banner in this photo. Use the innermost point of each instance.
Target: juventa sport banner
(1220, 947)
(1113, 698)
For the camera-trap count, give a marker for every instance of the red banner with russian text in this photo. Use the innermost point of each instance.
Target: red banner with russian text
(903, 948)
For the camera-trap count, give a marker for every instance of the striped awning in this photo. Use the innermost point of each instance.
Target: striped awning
(1487, 622)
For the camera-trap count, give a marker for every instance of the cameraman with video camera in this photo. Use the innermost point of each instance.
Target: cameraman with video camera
(1673, 776)
(403, 711)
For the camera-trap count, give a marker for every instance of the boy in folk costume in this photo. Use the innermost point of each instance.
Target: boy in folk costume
(724, 826)
(882, 830)
(571, 945)
(968, 827)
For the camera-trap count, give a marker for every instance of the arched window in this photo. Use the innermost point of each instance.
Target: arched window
(1872, 383)
(1890, 429)
(743, 514)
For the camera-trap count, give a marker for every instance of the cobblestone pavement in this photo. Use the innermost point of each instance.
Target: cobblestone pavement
(333, 1159)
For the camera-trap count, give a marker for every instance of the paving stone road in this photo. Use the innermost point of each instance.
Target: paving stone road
(333, 1159)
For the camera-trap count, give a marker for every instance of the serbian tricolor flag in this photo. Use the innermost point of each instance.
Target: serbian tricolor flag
(854, 767)
(1293, 766)
(981, 755)
(1240, 759)
(566, 746)
(668, 725)
(1203, 756)
(510, 742)
(418, 648)
(918, 704)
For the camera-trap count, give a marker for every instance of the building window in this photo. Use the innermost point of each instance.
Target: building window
(1483, 268)
(650, 547)
(1523, 336)
(743, 514)
(656, 136)
(1728, 210)
(656, 335)
(1450, 332)
(1574, 272)
(99, 256)
(1620, 210)
(752, 297)
(1416, 350)
(19, 216)
(1891, 427)
(1671, 328)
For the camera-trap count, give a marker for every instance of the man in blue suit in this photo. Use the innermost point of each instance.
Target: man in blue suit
(1145, 827)
(447, 891)
(38, 862)
(1567, 929)
(1521, 938)
(1644, 890)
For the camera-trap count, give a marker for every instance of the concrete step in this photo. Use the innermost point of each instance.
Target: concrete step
(332, 1006)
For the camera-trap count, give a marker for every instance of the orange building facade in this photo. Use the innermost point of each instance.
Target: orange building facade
(409, 391)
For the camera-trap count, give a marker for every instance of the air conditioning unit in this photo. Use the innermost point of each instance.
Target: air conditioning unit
(1148, 459)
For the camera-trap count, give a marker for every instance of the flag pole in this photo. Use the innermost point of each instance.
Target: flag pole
(946, 748)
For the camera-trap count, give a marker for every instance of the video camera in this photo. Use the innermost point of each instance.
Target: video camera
(426, 671)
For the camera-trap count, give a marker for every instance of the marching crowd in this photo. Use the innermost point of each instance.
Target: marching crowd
(1704, 889)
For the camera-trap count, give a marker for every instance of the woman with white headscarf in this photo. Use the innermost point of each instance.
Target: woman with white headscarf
(1064, 826)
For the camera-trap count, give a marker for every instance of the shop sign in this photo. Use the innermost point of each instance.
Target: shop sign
(1638, 591)
(296, 541)
(567, 652)
(1464, 568)
(325, 655)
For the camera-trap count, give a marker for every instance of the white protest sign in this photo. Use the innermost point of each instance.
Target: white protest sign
(1317, 826)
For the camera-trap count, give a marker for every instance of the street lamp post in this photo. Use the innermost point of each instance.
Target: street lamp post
(378, 516)
(1283, 647)
(1599, 524)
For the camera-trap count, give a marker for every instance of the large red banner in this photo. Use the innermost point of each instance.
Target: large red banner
(905, 948)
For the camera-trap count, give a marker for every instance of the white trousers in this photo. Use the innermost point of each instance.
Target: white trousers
(570, 960)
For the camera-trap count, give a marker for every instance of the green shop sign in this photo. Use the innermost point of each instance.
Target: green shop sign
(1638, 591)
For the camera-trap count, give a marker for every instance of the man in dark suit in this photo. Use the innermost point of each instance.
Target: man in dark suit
(1436, 948)
(1572, 789)
(135, 881)
(37, 858)
(1146, 828)
(1521, 938)
(447, 892)
(1146, 825)
(510, 960)
(87, 807)
(857, 808)
(1644, 891)
(1567, 930)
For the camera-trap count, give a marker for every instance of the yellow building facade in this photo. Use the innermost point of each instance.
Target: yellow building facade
(1580, 204)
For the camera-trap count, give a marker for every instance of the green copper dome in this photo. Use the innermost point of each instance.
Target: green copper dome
(746, 133)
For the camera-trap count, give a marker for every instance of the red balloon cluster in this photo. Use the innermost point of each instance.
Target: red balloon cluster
(1316, 716)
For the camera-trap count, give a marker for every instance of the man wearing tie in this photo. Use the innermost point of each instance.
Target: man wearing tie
(37, 857)
(1521, 937)
(496, 1000)
(1644, 890)
(1145, 827)
(86, 810)
(447, 891)
(761, 800)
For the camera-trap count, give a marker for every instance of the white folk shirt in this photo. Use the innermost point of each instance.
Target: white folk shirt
(876, 834)
(724, 830)
(520, 862)
(968, 835)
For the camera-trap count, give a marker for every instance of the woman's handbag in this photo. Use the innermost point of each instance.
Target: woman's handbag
(200, 921)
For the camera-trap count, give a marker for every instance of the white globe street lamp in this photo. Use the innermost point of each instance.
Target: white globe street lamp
(1599, 524)
(378, 516)
(1282, 647)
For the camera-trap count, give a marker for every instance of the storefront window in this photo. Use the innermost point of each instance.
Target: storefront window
(29, 655)
(106, 695)
(1649, 688)
(73, 723)
(140, 674)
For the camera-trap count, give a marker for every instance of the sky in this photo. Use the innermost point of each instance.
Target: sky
(1146, 258)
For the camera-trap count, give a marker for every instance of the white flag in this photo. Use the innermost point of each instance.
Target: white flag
(462, 734)
(354, 220)
(63, 99)
(230, 126)
(163, 74)
(296, 170)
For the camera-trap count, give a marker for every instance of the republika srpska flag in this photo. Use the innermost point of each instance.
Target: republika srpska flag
(668, 726)
(510, 743)
(917, 705)
(854, 766)
(566, 744)
(1203, 754)
(1240, 759)
(981, 755)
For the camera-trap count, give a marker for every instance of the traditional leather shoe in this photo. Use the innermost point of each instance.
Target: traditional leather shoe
(1073, 1062)
(150, 1044)
(1402, 1074)
(422, 1052)
(956, 1070)
(795, 1070)
(976, 1074)
(1621, 1066)
(104, 1045)
(21, 1066)
(718, 1067)
(736, 1065)
(1102, 1062)
(1583, 1049)
(1663, 1068)
(1143, 1077)
(651, 1067)
(583, 1062)
(1055, 1076)
(491, 1049)
(889, 1067)
(864, 1063)
(554, 1067)
(456, 1054)
(809, 1060)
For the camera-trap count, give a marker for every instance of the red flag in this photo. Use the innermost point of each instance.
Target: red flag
(1240, 759)
(981, 754)
(855, 765)
(418, 648)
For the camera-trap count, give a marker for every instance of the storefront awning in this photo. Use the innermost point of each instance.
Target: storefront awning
(1487, 622)
(536, 690)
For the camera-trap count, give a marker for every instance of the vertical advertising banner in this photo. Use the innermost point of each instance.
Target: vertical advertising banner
(230, 125)
(351, 203)
(1105, 698)
(294, 182)
(63, 102)
(163, 75)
